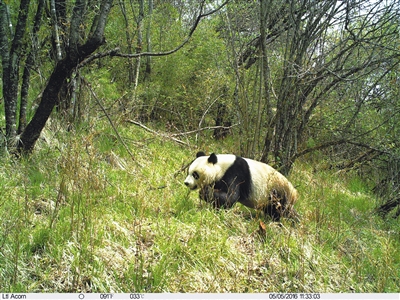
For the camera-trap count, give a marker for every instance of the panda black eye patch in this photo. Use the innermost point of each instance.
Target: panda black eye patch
(196, 175)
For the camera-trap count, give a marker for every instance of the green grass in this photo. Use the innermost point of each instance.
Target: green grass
(82, 215)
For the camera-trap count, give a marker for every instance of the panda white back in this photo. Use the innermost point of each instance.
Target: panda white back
(262, 177)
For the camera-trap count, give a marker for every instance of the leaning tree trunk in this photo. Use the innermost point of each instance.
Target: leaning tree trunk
(74, 55)
(49, 99)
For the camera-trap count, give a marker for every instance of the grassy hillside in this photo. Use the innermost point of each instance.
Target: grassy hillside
(81, 214)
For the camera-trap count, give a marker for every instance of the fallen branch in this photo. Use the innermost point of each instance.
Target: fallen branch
(203, 129)
(164, 135)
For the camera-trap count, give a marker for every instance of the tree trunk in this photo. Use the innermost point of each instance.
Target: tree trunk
(128, 42)
(296, 84)
(265, 76)
(11, 61)
(56, 36)
(28, 65)
(63, 70)
(139, 46)
(49, 99)
(148, 42)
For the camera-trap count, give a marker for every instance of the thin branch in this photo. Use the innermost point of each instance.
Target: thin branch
(115, 51)
(109, 119)
(185, 41)
(335, 143)
(318, 147)
(205, 112)
(369, 147)
(203, 129)
(98, 55)
(157, 133)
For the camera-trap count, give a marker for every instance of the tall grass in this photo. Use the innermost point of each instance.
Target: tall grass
(80, 215)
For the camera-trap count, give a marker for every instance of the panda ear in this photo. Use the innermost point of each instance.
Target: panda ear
(200, 153)
(213, 159)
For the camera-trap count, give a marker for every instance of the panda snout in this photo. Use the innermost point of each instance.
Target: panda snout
(187, 183)
(190, 186)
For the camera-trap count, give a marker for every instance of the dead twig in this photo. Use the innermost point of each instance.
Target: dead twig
(109, 119)
(202, 129)
(164, 135)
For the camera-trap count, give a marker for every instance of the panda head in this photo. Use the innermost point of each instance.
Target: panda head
(206, 170)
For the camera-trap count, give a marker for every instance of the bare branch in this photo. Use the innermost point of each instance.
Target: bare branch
(98, 55)
(165, 135)
(109, 119)
(318, 147)
(116, 51)
(203, 129)
(339, 142)
(185, 41)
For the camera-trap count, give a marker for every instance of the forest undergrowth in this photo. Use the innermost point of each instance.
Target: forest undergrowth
(83, 215)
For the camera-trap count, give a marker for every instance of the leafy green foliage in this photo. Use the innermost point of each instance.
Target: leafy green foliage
(82, 214)
(89, 218)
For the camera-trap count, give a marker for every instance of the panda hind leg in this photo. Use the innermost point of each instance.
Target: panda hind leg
(272, 211)
(277, 206)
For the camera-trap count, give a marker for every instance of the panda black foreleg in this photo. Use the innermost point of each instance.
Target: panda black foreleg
(218, 198)
(224, 200)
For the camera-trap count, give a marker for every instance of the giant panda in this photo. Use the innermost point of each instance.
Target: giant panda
(225, 179)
